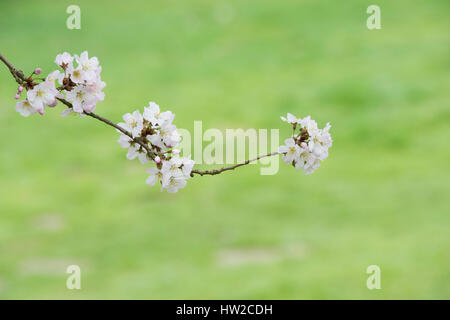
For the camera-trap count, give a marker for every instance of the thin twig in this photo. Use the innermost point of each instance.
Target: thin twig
(218, 171)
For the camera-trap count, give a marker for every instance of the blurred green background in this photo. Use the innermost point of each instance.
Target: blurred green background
(69, 196)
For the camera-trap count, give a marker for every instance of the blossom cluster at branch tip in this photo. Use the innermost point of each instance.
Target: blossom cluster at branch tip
(79, 84)
(155, 130)
(308, 145)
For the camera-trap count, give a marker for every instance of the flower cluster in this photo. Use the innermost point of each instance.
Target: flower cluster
(308, 144)
(154, 138)
(79, 84)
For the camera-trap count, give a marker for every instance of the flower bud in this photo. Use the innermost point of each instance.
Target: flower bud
(303, 145)
(38, 71)
(20, 89)
(17, 96)
(157, 159)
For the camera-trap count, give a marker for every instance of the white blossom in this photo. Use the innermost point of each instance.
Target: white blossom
(87, 66)
(42, 95)
(95, 88)
(188, 164)
(143, 156)
(78, 76)
(155, 176)
(126, 142)
(169, 134)
(25, 108)
(153, 114)
(54, 76)
(134, 123)
(85, 97)
(175, 172)
(309, 124)
(173, 183)
(67, 112)
(82, 99)
(308, 162)
(291, 151)
(65, 61)
(135, 150)
(156, 140)
(290, 119)
(172, 167)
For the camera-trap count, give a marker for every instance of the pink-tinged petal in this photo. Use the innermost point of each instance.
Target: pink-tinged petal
(77, 108)
(132, 153)
(283, 149)
(66, 112)
(124, 141)
(289, 142)
(151, 180)
(53, 104)
(89, 108)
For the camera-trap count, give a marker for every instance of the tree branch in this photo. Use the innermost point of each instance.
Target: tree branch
(21, 79)
(17, 74)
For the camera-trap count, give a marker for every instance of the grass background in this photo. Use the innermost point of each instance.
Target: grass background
(69, 196)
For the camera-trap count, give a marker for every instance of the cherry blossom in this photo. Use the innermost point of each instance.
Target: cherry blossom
(291, 150)
(155, 176)
(25, 108)
(65, 61)
(87, 66)
(308, 144)
(134, 122)
(156, 131)
(42, 95)
(290, 119)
